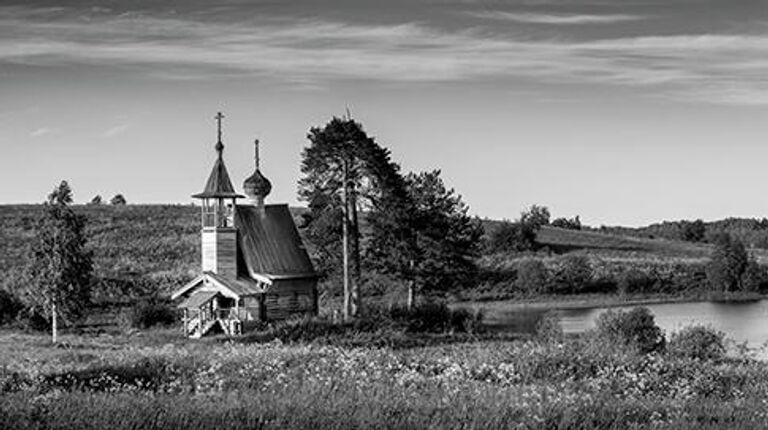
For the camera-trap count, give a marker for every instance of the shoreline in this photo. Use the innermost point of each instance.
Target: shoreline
(603, 301)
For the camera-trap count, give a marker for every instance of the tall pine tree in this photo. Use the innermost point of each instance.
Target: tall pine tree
(344, 172)
(429, 238)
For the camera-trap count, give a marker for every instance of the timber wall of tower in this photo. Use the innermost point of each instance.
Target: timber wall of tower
(219, 251)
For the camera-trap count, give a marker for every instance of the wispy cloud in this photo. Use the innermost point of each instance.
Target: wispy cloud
(114, 131)
(544, 18)
(40, 132)
(720, 68)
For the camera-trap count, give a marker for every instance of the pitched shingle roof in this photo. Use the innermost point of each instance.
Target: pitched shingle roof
(197, 299)
(218, 184)
(271, 244)
(241, 286)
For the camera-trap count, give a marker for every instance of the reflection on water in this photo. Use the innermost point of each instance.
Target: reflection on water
(740, 321)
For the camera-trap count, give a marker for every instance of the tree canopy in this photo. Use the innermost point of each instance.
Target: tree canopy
(430, 238)
(536, 216)
(118, 200)
(731, 268)
(568, 224)
(59, 269)
(416, 227)
(345, 172)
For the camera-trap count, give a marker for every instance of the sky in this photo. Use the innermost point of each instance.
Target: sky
(625, 112)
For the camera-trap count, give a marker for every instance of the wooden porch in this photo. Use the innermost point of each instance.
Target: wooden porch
(210, 312)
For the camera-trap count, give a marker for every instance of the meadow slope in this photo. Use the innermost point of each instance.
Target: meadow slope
(158, 246)
(146, 246)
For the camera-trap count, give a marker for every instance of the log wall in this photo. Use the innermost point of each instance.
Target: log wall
(291, 297)
(220, 251)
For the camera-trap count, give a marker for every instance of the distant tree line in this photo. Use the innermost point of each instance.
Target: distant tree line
(520, 235)
(117, 200)
(752, 232)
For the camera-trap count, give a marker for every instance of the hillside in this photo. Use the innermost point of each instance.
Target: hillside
(157, 247)
(752, 231)
(562, 240)
(152, 246)
(619, 247)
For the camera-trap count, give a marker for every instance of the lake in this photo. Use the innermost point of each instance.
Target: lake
(740, 321)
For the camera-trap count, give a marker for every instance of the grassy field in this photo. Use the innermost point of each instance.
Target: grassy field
(135, 246)
(568, 240)
(347, 379)
(162, 239)
(154, 248)
(158, 380)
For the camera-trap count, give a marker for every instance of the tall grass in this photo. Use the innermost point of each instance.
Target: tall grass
(572, 384)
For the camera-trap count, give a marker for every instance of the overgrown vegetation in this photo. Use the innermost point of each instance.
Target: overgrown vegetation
(548, 382)
(634, 329)
(142, 250)
(698, 342)
(731, 268)
(149, 312)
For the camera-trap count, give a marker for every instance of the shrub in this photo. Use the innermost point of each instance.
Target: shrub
(381, 284)
(633, 281)
(548, 329)
(117, 200)
(532, 276)
(573, 274)
(436, 318)
(635, 328)
(465, 321)
(10, 307)
(536, 216)
(729, 262)
(683, 276)
(693, 231)
(33, 319)
(568, 224)
(754, 276)
(512, 237)
(698, 342)
(150, 312)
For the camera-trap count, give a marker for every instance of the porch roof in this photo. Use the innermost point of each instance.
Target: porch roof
(236, 288)
(197, 299)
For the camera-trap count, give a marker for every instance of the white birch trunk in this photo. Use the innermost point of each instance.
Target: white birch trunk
(345, 244)
(410, 296)
(54, 323)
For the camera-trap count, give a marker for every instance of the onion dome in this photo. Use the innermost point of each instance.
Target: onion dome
(257, 186)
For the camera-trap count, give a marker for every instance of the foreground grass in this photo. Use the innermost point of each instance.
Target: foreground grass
(160, 381)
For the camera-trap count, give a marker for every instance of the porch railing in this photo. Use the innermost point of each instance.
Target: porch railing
(205, 316)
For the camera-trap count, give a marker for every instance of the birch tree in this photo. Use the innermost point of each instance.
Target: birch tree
(59, 268)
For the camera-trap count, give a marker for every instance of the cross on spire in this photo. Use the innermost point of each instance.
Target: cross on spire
(219, 146)
(256, 144)
(219, 116)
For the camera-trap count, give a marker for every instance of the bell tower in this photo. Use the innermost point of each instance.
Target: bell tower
(219, 232)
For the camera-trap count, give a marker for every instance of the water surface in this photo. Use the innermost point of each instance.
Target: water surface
(740, 321)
